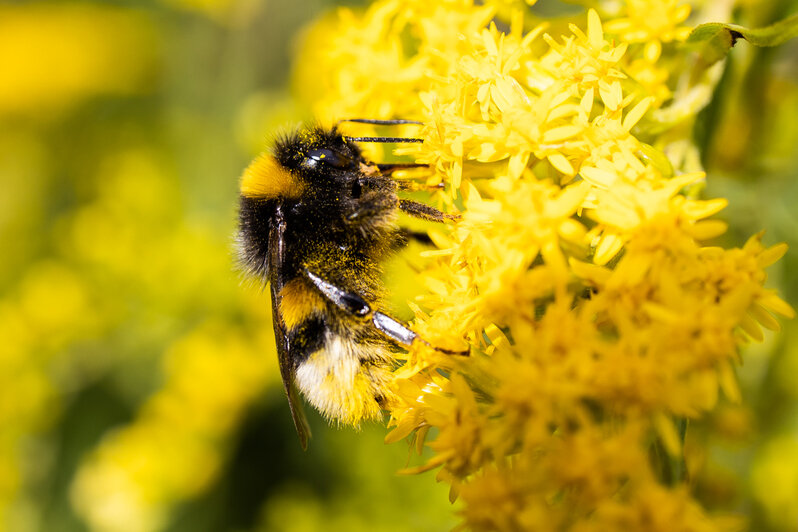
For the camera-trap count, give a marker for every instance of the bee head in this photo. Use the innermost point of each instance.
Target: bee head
(317, 153)
(308, 156)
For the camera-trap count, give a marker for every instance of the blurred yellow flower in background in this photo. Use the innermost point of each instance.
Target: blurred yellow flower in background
(55, 55)
(139, 386)
(589, 273)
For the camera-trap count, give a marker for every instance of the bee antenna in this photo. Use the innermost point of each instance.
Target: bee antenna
(379, 122)
(375, 121)
(383, 139)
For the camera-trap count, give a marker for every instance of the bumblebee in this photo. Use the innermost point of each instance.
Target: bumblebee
(316, 220)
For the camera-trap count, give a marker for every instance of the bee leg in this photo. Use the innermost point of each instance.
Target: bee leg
(357, 306)
(425, 212)
(373, 208)
(389, 168)
(406, 235)
(413, 186)
(349, 302)
(393, 328)
(366, 211)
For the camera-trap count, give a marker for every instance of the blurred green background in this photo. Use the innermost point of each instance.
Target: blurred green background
(139, 389)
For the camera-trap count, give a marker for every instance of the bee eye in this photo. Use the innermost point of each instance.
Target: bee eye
(323, 156)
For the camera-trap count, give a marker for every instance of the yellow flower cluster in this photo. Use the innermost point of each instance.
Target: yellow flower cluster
(99, 313)
(35, 329)
(73, 56)
(599, 322)
(175, 447)
(54, 57)
(213, 369)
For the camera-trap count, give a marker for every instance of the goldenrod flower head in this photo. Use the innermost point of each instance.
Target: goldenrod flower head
(650, 21)
(598, 319)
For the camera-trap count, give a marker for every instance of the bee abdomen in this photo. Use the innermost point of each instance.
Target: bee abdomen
(346, 380)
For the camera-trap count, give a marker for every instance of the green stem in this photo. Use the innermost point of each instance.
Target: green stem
(678, 467)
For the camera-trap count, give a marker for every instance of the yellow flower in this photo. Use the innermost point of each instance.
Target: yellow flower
(598, 321)
(650, 21)
(175, 447)
(55, 55)
(775, 481)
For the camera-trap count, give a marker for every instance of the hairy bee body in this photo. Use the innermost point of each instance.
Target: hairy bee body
(316, 220)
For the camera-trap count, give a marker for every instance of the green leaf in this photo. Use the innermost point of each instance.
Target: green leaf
(714, 40)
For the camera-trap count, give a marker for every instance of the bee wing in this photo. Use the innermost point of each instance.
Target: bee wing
(287, 373)
(277, 280)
